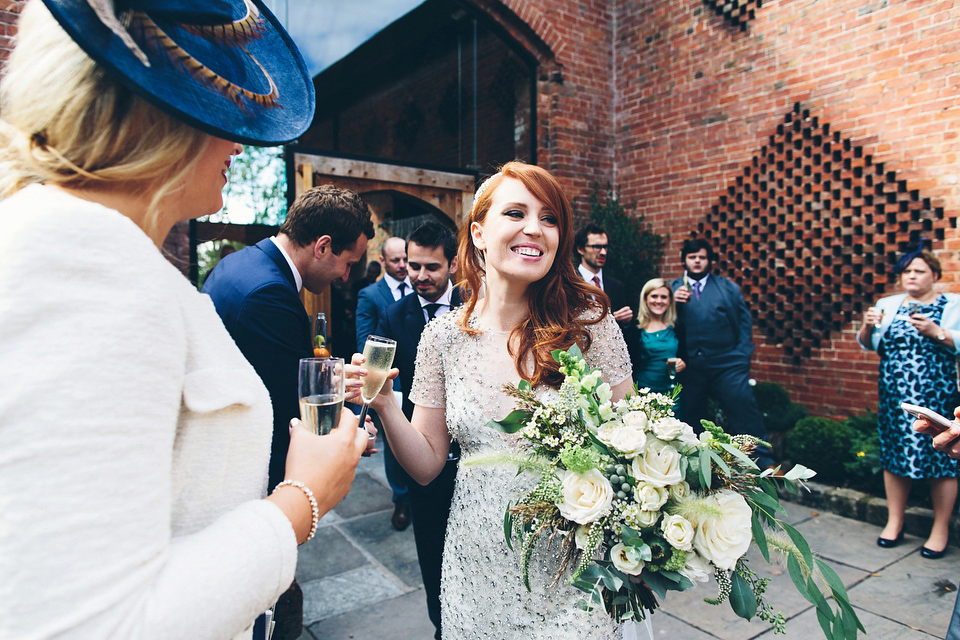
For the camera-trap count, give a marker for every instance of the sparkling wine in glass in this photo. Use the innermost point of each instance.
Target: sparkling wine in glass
(321, 393)
(672, 369)
(378, 352)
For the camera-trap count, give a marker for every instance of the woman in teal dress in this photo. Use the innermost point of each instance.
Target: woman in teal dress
(657, 363)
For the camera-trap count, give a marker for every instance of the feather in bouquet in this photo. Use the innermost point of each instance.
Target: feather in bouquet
(644, 506)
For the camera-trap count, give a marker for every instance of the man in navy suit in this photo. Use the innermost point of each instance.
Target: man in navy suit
(371, 301)
(431, 260)
(256, 293)
(717, 333)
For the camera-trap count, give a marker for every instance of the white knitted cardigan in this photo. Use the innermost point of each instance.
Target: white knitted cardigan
(134, 440)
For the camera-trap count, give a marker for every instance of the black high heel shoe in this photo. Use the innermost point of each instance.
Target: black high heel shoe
(886, 543)
(930, 554)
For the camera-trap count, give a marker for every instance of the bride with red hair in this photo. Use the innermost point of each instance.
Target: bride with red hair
(523, 299)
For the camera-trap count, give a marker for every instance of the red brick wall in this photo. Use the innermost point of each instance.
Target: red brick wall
(9, 10)
(696, 99)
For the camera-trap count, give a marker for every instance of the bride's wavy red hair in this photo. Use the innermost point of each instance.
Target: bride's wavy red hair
(558, 303)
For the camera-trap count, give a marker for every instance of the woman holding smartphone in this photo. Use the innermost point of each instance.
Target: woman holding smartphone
(916, 334)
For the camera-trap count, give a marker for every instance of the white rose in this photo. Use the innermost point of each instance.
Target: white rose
(697, 569)
(626, 559)
(668, 428)
(687, 437)
(627, 440)
(635, 419)
(646, 519)
(659, 464)
(724, 539)
(650, 497)
(679, 491)
(581, 535)
(586, 496)
(606, 431)
(678, 531)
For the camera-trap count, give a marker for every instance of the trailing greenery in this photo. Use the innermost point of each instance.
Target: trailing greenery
(635, 250)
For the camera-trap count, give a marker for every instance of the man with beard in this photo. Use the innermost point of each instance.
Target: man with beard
(590, 244)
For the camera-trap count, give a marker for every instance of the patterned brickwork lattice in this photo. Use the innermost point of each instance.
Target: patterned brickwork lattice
(737, 12)
(810, 230)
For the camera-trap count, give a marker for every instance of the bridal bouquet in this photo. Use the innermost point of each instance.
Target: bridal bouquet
(641, 505)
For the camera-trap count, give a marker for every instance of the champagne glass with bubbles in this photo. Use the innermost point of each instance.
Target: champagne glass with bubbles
(378, 353)
(321, 392)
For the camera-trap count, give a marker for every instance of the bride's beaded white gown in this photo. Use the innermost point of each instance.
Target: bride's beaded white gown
(482, 594)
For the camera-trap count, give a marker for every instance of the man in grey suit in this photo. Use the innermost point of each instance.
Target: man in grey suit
(371, 301)
(715, 331)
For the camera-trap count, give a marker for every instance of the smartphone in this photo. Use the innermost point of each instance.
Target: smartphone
(923, 412)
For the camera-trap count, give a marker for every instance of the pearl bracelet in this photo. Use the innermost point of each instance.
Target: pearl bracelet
(314, 508)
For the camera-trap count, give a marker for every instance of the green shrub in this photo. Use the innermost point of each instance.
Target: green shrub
(779, 414)
(863, 469)
(821, 444)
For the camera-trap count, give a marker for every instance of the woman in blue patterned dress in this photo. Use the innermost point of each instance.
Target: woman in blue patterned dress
(916, 336)
(658, 344)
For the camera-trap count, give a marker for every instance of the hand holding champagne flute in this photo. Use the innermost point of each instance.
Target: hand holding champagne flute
(378, 353)
(321, 391)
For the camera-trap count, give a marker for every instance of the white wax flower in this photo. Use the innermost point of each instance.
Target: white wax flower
(678, 531)
(626, 559)
(586, 496)
(723, 540)
(659, 464)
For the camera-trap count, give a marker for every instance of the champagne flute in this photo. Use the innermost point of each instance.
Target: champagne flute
(321, 391)
(378, 353)
(672, 369)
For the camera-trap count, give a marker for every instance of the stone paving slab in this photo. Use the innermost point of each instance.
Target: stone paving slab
(400, 618)
(395, 550)
(852, 542)
(915, 591)
(366, 496)
(806, 627)
(328, 554)
(357, 589)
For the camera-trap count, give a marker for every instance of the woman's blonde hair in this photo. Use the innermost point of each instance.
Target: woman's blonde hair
(643, 311)
(66, 122)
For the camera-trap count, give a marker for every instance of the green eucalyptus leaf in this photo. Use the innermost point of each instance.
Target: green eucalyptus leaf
(705, 471)
(742, 598)
(760, 537)
(514, 421)
(739, 455)
(524, 385)
(799, 580)
(508, 526)
(834, 582)
(800, 542)
(720, 462)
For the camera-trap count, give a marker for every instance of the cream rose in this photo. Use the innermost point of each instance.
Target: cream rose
(646, 519)
(650, 497)
(635, 419)
(627, 440)
(697, 569)
(724, 539)
(580, 536)
(586, 496)
(678, 531)
(659, 464)
(626, 559)
(668, 428)
(679, 491)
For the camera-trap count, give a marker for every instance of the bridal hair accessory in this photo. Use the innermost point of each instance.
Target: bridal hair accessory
(314, 508)
(483, 186)
(634, 505)
(226, 67)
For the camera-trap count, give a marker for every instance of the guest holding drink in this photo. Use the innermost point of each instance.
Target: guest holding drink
(135, 436)
(657, 364)
(916, 336)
